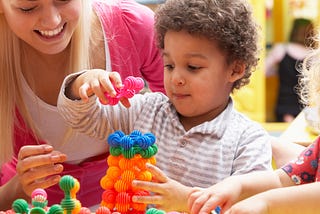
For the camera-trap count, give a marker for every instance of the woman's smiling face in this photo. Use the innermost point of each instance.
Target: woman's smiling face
(46, 25)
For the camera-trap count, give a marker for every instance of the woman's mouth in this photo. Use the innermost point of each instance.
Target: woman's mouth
(51, 33)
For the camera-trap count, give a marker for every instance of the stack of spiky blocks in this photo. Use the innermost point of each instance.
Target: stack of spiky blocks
(127, 162)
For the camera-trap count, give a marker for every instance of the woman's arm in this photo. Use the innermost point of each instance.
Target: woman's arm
(11, 191)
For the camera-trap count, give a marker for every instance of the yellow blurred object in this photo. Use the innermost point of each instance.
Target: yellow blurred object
(251, 98)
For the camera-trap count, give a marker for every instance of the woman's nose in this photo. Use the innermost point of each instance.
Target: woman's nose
(51, 17)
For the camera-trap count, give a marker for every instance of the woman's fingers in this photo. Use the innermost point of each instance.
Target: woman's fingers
(39, 167)
(27, 151)
(39, 158)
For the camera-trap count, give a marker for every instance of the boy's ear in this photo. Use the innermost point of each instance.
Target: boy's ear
(238, 70)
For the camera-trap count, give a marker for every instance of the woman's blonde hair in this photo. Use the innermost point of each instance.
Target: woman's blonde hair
(11, 74)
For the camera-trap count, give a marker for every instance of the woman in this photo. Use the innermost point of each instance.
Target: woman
(41, 42)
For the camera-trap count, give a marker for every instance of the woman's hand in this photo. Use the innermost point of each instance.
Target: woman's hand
(166, 194)
(39, 167)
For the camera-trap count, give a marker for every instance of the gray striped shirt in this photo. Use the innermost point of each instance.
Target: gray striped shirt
(228, 145)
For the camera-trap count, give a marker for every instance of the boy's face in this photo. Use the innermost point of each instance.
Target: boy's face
(197, 79)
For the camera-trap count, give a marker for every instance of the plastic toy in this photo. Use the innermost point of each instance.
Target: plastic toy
(131, 86)
(127, 162)
(128, 157)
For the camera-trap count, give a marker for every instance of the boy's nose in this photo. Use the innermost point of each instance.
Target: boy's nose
(177, 78)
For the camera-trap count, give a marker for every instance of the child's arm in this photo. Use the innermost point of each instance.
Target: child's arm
(234, 189)
(283, 152)
(167, 194)
(294, 200)
(89, 115)
(95, 81)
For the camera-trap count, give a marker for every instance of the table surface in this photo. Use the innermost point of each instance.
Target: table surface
(298, 132)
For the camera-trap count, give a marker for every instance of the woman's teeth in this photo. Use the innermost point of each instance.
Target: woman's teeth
(51, 32)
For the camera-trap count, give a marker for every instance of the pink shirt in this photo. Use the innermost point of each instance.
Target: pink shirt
(131, 41)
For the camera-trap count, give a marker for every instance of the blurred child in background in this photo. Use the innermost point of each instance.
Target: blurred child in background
(284, 60)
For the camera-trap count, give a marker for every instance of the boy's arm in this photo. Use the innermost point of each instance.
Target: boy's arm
(87, 115)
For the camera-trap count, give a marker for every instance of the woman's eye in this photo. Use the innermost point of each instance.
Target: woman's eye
(27, 10)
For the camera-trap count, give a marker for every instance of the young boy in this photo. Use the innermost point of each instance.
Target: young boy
(209, 49)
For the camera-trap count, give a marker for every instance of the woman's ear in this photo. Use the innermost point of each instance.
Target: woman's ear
(237, 71)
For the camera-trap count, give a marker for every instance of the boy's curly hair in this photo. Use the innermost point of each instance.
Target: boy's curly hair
(229, 23)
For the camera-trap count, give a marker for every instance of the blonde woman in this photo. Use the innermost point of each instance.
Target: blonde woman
(41, 42)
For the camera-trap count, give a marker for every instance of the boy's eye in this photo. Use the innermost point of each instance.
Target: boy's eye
(169, 67)
(191, 67)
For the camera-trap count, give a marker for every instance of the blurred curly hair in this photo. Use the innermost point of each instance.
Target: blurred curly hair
(309, 79)
(228, 23)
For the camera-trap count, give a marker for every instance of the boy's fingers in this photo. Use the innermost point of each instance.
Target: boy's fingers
(157, 173)
(154, 199)
(125, 102)
(84, 90)
(116, 79)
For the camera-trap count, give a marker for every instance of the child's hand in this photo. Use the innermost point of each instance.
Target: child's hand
(169, 195)
(252, 205)
(39, 167)
(98, 82)
(223, 194)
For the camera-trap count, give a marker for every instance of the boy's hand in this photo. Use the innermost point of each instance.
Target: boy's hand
(167, 194)
(98, 82)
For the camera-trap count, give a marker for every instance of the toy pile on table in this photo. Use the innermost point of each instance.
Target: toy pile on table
(127, 162)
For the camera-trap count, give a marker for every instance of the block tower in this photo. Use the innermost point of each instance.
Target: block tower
(127, 162)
